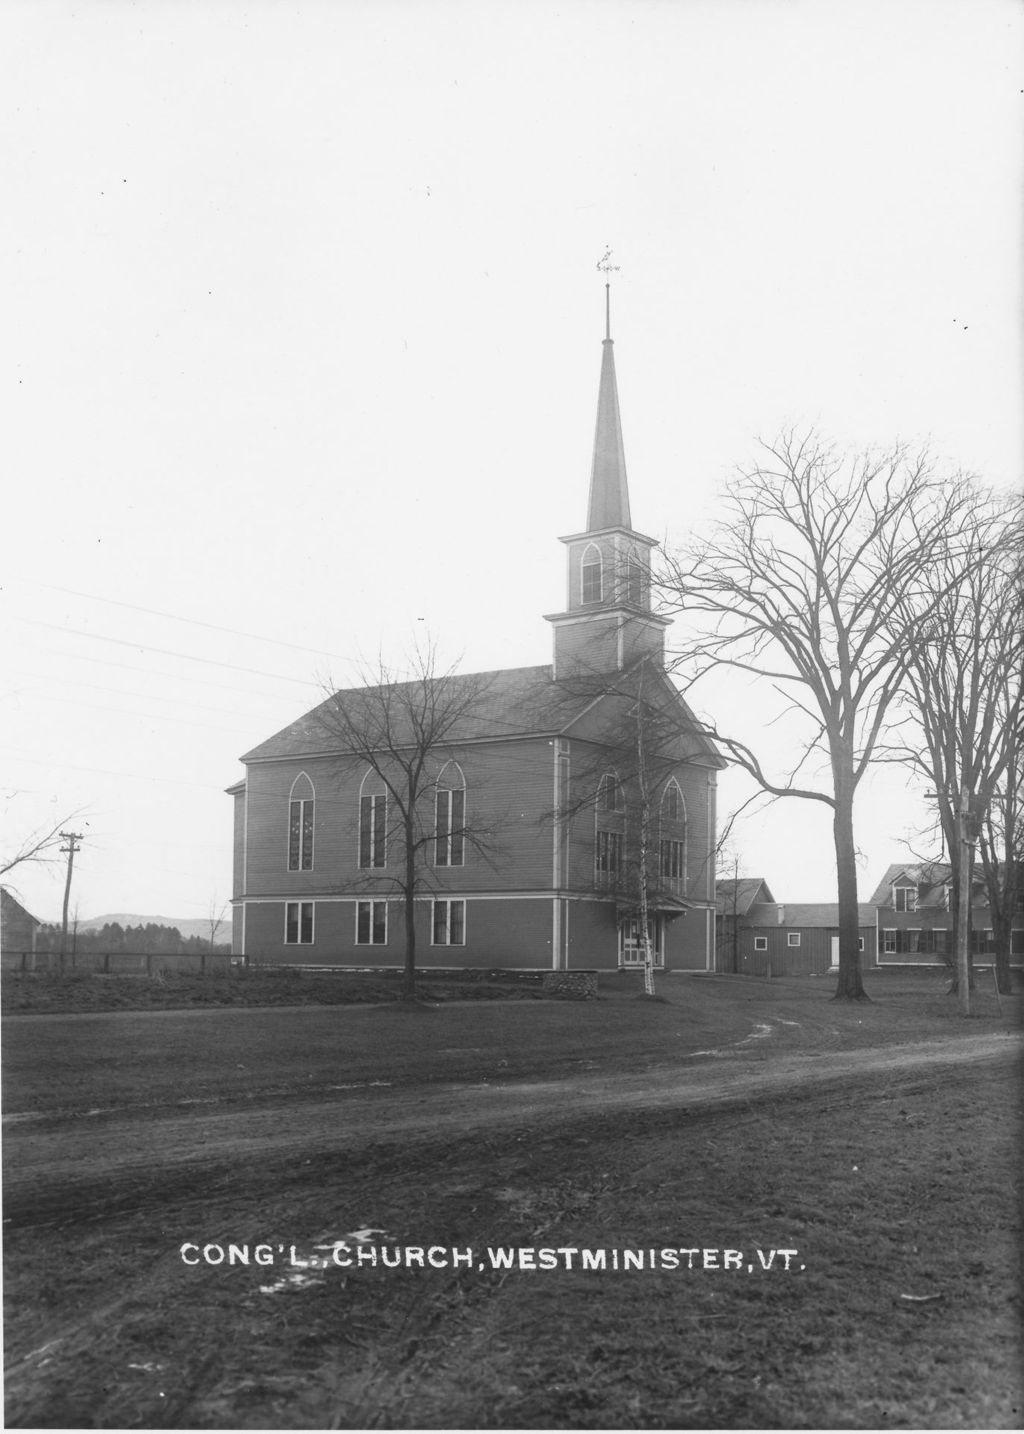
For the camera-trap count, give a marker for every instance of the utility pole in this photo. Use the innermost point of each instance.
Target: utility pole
(71, 838)
(963, 934)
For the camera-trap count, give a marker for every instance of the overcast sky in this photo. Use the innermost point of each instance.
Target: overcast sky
(301, 343)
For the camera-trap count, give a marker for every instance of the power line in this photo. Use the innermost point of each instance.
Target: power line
(165, 651)
(65, 681)
(107, 772)
(171, 676)
(140, 716)
(191, 621)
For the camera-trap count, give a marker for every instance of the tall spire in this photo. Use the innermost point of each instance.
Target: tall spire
(609, 494)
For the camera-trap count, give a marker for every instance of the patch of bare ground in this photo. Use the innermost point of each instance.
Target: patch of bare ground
(890, 1165)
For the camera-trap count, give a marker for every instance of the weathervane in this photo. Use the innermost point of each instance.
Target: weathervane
(606, 266)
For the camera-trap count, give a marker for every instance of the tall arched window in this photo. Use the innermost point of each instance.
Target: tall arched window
(373, 821)
(450, 817)
(301, 801)
(673, 836)
(591, 580)
(609, 831)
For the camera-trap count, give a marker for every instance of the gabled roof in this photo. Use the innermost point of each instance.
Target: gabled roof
(737, 894)
(929, 878)
(12, 908)
(791, 914)
(506, 703)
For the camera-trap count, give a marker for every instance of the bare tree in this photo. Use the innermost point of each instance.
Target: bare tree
(964, 696)
(40, 846)
(801, 587)
(405, 731)
(215, 920)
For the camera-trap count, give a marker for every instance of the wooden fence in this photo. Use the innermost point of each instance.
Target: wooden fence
(120, 963)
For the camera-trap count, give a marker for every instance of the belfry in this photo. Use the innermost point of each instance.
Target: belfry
(607, 623)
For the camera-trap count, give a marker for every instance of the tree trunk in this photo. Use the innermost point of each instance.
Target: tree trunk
(849, 987)
(1001, 937)
(409, 978)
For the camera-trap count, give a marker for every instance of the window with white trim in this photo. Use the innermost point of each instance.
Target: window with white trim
(672, 859)
(760, 943)
(793, 938)
(608, 855)
(889, 941)
(609, 793)
(373, 828)
(904, 898)
(300, 824)
(450, 817)
(371, 923)
(448, 927)
(591, 577)
(298, 923)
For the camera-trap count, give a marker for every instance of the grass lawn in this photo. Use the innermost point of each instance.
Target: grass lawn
(899, 1189)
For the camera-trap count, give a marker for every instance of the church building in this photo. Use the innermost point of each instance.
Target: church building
(555, 804)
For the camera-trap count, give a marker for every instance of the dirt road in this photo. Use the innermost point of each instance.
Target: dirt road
(50, 1153)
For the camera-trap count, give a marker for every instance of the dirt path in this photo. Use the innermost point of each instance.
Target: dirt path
(48, 1155)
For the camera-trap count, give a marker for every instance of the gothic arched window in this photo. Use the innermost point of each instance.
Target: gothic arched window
(673, 835)
(591, 577)
(450, 817)
(301, 801)
(373, 821)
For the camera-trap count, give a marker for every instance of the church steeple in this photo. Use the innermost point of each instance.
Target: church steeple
(608, 622)
(609, 492)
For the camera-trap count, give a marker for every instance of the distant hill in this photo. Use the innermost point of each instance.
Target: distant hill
(188, 926)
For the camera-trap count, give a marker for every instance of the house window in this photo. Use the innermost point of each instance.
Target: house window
(449, 925)
(450, 825)
(590, 575)
(371, 923)
(672, 859)
(300, 824)
(913, 941)
(609, 854)
(940, 940)
(905, 898)
(298, 923)
(760, 943)
(792, 938)
(1017, 943)
(889, 940)
(373, 817)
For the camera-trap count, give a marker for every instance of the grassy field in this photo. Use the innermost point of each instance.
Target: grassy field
(897, 1186)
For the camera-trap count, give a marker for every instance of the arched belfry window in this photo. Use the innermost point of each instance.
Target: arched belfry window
(673, 835)
(637, 585)
(373, 821)
(450, 817)
(301, 801)
(591, 575)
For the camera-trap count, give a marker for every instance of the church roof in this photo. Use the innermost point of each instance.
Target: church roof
(609, 493)
(507, 703)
